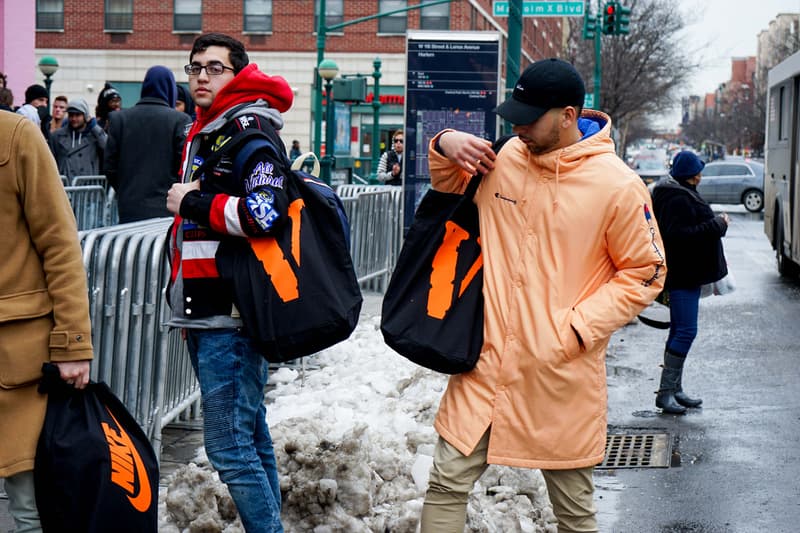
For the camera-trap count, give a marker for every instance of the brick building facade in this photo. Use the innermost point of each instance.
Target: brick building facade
(98, 41)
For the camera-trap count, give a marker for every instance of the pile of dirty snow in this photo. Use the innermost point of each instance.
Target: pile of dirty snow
(353, 439)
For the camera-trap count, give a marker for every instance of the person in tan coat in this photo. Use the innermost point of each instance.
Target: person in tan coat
(44, 303)
(571, 253)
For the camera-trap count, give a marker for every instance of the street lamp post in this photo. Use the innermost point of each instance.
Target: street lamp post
(376, 113)
(328, 70)
(48, 65)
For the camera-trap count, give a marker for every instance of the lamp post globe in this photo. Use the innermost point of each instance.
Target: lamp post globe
(328, 70)
(48, 65)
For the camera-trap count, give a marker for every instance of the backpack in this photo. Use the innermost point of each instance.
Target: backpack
(296, 290)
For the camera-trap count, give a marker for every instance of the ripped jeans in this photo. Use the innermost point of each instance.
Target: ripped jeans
(232, 376)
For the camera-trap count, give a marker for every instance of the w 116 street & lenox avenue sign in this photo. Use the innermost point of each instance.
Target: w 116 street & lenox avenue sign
(541, 9)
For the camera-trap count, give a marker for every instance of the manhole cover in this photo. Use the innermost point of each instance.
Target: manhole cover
(637, 451)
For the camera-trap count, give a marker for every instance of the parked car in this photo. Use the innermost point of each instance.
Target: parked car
(650, 165)
(734, 181)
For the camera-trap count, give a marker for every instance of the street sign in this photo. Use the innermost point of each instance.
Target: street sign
(540, 9)
(588, 100)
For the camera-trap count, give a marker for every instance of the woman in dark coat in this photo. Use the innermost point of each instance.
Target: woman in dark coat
(693, 242)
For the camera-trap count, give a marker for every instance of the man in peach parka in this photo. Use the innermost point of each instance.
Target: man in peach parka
(571, 253)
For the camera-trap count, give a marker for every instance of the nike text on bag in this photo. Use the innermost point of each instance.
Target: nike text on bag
(433, 308)
(95, 470)
(296, 290)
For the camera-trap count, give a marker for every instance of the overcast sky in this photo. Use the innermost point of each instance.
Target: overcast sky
(723, 29)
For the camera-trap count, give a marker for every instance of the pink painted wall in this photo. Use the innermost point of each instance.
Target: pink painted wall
(17, 46)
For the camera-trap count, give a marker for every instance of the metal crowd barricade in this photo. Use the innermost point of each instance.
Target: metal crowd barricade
(94, 179)
(375, 231)
(89, 205)
(143, 362)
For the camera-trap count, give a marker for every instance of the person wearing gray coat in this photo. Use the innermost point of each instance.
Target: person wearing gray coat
(78, 148)
(145, 142)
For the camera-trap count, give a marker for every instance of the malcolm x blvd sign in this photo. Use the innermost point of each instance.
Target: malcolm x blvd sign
(541, 9)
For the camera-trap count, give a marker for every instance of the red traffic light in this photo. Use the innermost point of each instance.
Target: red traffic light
(610, 9)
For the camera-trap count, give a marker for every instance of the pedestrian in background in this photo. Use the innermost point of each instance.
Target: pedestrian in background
(570, 255)
(6, 96)
(78, 148)
(184, 102)
(143, 153)
(693, 241)
(44, 316)
(108, 101)
(295, 152)
(35, 98)
(390, 166)
(59, 118)
(241, 196)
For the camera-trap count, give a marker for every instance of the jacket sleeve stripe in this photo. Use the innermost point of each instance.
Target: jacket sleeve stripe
(199, 268)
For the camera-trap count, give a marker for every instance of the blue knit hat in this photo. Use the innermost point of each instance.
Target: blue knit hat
(686, 165)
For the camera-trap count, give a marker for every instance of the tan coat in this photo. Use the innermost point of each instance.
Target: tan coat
(44, 305)
(566, 244)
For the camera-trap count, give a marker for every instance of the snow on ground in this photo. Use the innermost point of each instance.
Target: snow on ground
(353, 440)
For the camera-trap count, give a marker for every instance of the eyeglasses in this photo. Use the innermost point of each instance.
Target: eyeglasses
(397, 140)
(214, 68)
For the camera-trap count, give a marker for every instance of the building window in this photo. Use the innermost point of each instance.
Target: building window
(334, 13)
(119, 15)
(435, 17)
(188, 16)
(258, 16)
(393, 23)
(49, 14)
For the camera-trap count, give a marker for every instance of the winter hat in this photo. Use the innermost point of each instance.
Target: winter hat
(108, 93)
(686, 165)
(33, 92)
(544, 85)
(159, 82)
(78, 105)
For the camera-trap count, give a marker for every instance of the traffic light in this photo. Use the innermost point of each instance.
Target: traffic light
(623, 17)
(609, 18)
(589, 26)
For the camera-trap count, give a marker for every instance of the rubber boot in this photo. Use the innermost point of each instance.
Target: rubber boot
(670, 379)
(681, 396)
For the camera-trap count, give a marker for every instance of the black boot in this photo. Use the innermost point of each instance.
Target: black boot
(670, 379)
(681, 396)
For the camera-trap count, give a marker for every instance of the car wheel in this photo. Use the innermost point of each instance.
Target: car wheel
(753, 200)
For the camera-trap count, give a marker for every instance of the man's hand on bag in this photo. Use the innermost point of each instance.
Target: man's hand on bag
(176, 193)
(75, 373)
(469, 152)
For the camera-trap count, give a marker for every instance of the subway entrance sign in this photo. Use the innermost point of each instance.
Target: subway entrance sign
(541, 9)
(453, 81)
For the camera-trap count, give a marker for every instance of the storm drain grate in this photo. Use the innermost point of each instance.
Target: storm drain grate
(637, 451)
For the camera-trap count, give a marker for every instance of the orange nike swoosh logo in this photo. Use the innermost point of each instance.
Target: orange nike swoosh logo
(141, 502)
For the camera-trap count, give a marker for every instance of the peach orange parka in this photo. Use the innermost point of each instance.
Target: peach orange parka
(568, 243)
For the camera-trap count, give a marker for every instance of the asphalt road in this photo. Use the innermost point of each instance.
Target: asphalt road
(735, 460)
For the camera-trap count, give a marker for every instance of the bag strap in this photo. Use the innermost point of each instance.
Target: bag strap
(472, 187)
(297, 164)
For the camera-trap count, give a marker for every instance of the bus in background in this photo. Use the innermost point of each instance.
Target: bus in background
(781, 172)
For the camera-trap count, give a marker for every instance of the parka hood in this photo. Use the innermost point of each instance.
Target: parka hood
(595, 128)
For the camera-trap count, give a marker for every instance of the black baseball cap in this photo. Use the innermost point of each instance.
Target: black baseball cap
(542, 86)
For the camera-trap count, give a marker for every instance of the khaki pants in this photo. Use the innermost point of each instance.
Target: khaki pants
(22, 502)
(453, 476)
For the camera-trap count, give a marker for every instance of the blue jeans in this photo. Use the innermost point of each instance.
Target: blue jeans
(683, 310)
(232, 375)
